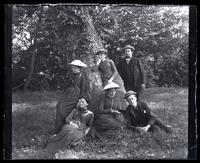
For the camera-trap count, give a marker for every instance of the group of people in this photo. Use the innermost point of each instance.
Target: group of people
(119, 104)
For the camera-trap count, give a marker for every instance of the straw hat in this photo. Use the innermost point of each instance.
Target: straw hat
(111, 85)
(129, 47)
(78, 63)
(127, 94)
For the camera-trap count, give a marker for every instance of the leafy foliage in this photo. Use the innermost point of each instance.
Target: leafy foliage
(58, 34)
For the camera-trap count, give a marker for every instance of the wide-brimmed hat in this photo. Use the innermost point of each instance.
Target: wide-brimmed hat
(102, 50)
(78, 63)
(129, 47)
(111, 85)
(127, 94)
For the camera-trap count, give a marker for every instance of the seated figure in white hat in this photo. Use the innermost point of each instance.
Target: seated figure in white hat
(77, 88)
(108, 118)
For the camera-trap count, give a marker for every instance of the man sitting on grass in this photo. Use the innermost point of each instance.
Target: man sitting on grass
(139, 117)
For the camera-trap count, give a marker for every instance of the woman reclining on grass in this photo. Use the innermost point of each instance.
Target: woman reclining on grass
(77, 126)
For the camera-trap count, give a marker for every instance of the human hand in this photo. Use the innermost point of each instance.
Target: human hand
(86, 131)
(98, 60)
(142, 86)
(110, 80)
(144, 129)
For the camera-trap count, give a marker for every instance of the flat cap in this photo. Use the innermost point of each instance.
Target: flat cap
(128, 47)
(127, 94)
(102, 50)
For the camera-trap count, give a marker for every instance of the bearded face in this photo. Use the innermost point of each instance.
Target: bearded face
(128, 53)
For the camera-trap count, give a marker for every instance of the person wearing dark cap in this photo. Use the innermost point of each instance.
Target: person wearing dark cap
(76, 88)
(77, 126)
(108, 70)
(139, 116)
(132, 71)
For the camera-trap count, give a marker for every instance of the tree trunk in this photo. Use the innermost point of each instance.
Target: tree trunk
(94, 45)
(33, 50)
(27, 82)
(96, 42)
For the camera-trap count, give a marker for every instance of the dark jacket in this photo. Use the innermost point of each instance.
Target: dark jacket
(139, 116)
(81, 82)
(132, 74)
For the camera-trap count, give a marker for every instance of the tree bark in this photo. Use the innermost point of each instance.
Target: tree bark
(94, 45)
(96, 42)
(27, 82)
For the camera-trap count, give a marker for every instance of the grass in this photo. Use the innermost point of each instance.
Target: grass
(33, 116)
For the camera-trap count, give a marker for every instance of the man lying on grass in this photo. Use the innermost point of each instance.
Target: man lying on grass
(139, 117)
(77, 126)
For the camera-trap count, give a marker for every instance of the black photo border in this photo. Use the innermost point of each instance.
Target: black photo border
(7, 71)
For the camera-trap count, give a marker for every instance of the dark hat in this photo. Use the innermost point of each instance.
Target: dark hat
(86, 99)
(101, 50)
(127, 94)
(128, 47)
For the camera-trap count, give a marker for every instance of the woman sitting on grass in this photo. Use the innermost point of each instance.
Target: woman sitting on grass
(139, 116)
(108, 118)
(78, 125)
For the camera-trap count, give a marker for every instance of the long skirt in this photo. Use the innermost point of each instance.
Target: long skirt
(65, 105)
(108, 125)
(69, 135)
(120, 82)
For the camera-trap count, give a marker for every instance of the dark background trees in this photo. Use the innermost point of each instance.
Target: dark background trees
(47, 37)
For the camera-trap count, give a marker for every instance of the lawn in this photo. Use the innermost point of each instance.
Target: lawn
(33, 115)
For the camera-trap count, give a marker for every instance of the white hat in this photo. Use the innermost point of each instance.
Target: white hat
(78, 63)
(111, 85)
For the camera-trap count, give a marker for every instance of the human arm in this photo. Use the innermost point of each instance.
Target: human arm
(70, 117)
(102, 108)
(102, 103)
(114, 71)
(148, 113)
(130, 125)
(145, 128)
(142, 74)
(119, 68)
(90, 123)
(129, 119)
